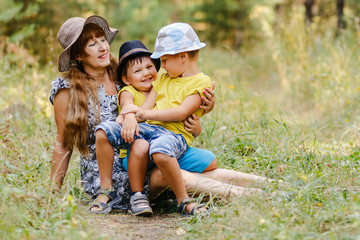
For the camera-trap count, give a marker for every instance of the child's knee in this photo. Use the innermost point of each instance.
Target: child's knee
(161, 159)
(100, 136)
(140, 148)
(213, 165)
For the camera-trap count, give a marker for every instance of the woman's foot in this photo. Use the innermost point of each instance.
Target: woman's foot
(106, 199)
(101, 199)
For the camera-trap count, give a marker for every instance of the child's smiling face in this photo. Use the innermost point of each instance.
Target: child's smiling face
(141, 74)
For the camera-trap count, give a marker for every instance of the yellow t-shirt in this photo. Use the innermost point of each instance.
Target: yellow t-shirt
(138, 97)
(171, 92)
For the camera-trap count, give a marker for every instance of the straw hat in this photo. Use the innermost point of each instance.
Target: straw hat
(70, 31)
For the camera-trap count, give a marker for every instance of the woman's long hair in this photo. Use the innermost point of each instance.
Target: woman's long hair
(83, 89)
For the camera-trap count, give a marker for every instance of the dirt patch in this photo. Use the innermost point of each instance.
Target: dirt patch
(122, 225)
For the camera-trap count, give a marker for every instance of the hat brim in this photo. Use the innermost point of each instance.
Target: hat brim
(173, 52)
(156, 61)
(64, 58)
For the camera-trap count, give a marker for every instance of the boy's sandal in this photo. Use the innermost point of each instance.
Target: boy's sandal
(197, 210)
(105, 207)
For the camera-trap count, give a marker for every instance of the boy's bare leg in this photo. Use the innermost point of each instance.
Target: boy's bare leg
(138, 162)
(171, 173)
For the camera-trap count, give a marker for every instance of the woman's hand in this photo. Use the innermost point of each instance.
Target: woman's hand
(193, 125)
(209, 99)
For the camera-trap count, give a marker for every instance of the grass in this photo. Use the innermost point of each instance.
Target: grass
(286, 108)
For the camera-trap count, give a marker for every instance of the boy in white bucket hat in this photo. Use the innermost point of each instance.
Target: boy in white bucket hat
(175, 95)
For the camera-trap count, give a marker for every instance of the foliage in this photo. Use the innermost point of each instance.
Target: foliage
(287, 108)
(228, 22)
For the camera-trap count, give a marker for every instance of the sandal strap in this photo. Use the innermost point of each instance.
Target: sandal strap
(98, 204)
(197, 207)
(111, 193)
(183, 204)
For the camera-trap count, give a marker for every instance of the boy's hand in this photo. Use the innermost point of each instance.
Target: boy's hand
(209, 99)
(129, 128)
(131, 108)
(120, 119)
(193, 125)
(141, 115)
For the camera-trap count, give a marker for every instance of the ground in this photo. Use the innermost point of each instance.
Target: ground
(122, 225)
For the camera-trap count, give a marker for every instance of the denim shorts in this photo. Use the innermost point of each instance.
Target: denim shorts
(113, 134)
(194, 160)
(160, 139)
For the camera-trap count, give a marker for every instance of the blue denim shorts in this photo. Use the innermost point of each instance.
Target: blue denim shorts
(113, 134)
(160, 139)
(194, 160)
(163, 141)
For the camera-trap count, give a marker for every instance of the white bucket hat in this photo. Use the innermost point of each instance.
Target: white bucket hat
(175, 38)
(70, 31)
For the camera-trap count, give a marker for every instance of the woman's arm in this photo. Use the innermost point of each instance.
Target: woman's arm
(61, 154)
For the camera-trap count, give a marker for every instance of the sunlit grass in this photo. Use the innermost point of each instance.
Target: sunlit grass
(287, 108)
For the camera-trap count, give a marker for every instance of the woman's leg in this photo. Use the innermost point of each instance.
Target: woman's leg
(105, 158)
(195, 182)
(200, 183)
(235, 177)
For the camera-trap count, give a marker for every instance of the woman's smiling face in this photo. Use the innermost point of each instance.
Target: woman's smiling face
(97, 54)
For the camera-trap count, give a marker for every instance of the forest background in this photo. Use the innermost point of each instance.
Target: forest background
(287, 99)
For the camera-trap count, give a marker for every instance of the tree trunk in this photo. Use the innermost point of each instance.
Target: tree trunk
(309, 14)
(341, 24)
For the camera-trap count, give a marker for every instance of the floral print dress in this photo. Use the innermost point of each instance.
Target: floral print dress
(88, 165)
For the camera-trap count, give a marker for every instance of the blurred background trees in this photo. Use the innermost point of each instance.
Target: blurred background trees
(33, 24)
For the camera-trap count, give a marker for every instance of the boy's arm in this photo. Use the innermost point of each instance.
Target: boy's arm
(148, 104)
(129, 124)
(186, 108)
(150, 100)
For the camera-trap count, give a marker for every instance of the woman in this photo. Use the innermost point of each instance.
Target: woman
(86, 96)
